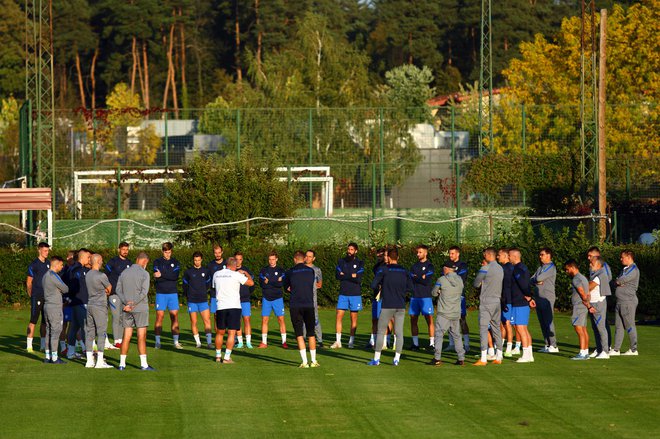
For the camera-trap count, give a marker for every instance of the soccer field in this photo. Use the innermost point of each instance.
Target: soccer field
(265, 394)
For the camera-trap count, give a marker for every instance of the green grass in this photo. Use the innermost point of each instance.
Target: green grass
(265, 394)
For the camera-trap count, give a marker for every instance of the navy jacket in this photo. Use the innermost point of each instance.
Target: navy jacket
(422, 286)
(349, 285)
(246, 291)
(301, 280)
(113, 269)
(169, 275)
(196, 283)
(520, 285)
(273, 289)
(506, 283)
(79, 295)
(378, 267)
(394, 281)
(36, 271)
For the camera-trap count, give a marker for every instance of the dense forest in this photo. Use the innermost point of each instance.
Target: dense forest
(187, 53)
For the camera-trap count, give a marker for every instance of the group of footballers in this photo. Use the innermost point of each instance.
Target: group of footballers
(74, 299)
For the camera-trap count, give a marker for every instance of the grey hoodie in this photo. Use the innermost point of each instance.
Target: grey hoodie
(489, 279)
(450, 289)
(627, 284)
(133, 286)
(546, 273)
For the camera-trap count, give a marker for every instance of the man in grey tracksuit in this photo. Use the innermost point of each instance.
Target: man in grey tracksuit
(449, 290)
(599, 289)
(544, 280)
(489, 280)
(132, 291)
(98, 289)
(626, 304)
(54, 288)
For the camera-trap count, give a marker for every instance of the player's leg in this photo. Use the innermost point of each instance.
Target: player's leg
(142, 346)
(338, 326)
(298, 323)
(441, 325)
(173, 305)
(384, 319)
(278, 308)
(628, 311)
(414, 310)
(427, 312)
(102, 328)
(495, 312)
(601, 326)
(192, 313)
(56, 328)
(483, 335)
(354, 322)
(117, 327)
(552, 335)
(219, 340)
(465, 330)
(318, 332)
(206, 319)
(74, 328)
(90, 335)
(541, 314)
(158, 325)
(125, 340)
(455, 334)
(399, 317)
(266, 308)
(375, 313)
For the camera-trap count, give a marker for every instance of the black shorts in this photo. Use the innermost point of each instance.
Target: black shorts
(36, 310)
(300, 317)
(228, 319)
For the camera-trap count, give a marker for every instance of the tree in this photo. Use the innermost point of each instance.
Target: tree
(217, 190)
(12, 49)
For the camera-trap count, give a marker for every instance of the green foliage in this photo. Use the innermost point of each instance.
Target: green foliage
(216, 190)
(12, 48)
(409, 90)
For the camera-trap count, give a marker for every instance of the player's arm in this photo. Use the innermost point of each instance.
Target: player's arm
(249, 282)
(339, 271)
(632, 276)
(173, 274)
(186, 283)
(263, 278)
(278, 282)
(378, 280)
(435, 292)
(427, 278)
(28, 285)
(481, 275)
(359, 273)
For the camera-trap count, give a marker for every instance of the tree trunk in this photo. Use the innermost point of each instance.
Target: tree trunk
(140, 74)
(237, 55)
(62, 91)
(260, 72)
(135, 62)
(93, 76)
(319, 54)
(83, 101)
(145, 62)
(410, 53)
(184, 84)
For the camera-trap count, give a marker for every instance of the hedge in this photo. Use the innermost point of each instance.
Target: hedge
(14, 262)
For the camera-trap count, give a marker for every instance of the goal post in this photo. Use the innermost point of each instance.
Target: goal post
(320, 174)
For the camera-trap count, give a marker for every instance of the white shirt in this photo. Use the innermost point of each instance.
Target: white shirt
(227, 284)
(595, 293)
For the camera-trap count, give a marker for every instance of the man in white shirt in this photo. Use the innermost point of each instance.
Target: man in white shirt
(599, 289)
(227, 283)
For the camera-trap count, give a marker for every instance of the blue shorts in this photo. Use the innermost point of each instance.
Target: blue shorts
(68, 313)
(276, 306)
(197, 307)
(246, 309)
(167, 301)
(421, 305)
(352, 303)
(520, 315)
(506, 315)
(463, 306)
(375, 309)
(214, 305)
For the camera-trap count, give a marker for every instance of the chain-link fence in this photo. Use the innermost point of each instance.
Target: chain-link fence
(415, 163)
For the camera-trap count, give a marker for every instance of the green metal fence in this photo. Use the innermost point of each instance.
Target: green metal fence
(382, 160)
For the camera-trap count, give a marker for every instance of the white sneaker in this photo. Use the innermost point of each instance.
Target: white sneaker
(198, 345)
(336, 345)
(110, 347)
(103, 365)
(630, 352)
(89, 364)
(553, 349)
(157, 346)
(594, 354)
(524, 360)
(544, 350)
(491, 357)
(515, 351)
(178, 346)
(351, 345)
(74, 355)
(614, 353)
(603, 356)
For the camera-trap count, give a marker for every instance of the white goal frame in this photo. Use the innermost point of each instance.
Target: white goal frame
(110, 176)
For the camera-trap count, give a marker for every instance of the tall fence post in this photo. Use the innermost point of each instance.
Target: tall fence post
(373, 190)
(524, 146)
(458, 202)
(453, 148)
(118, 204)
(311, 143)
(167, 145)
(615, 228)
(382, 159)
(238, 133)
(94, 138)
